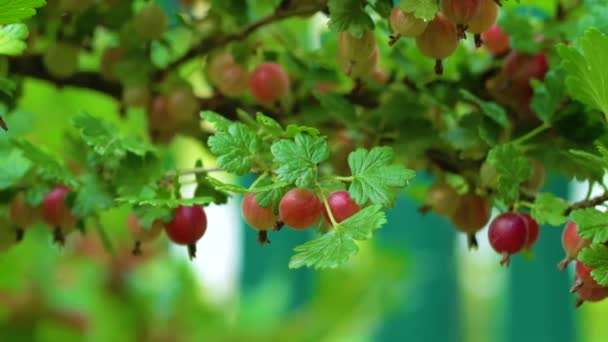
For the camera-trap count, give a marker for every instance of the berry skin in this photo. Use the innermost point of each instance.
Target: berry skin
(300, 208)
(488, 175)
(572, 243)
(57, 214)
(136, 97)
(22, 214)
(583, 278)
(256, 216)
(230, 78)
(406, 24)
(110, 57)
(485, 18)
(438, 41)
(533, 230)
(508, 235)
(361, 69)
(471, 214)
(520, 68)
(61, 59)
(591, 294)
(8, 236)
(442, 199)
(353, 50)
(182, 105)
(151, 22)
(187, 226)
(269, 83)
(496, 41)
(341, 206)
(460, 12)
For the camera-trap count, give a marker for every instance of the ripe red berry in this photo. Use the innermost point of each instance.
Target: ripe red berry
(438, 41)
(572, 243)
(472, 213)
(300, 208)
(583, 277)
(520, 68)
(256, 216)
(406, 24)
(187, 226)
(57, 214)
(269, 83)
(460, 12)
(341, 205)
(591, 294)
(495, 40)
(508, 235)
(533, 230)
(442, 198)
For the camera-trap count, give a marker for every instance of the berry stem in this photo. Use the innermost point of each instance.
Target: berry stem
(439, 67)
(192, 251)
(543, 127)
(478, 40)
(564, 263)
(58, 236)
(263, 237)
(577, 285)
(393, 39)
(506, 259)
(19, 234)
(258, 180)
(278, 225)
(472, 241)
(332, 219)
(136, 248)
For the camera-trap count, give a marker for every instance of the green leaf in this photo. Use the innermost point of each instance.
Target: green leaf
(236, 148)
(549, 209)
(293, 130)
(205, 189)
(592, 224)
(148, 214)
(220, 122)
(596, 257)
(171, 203)
(376, 177)
(138, 173)
(548, 94)
(349, 15)
(335, 248)
(383, 7)
(513, 168)
(47, 166)
(272, 196)
(12, 11)
(298, 159)
(490, 109)
(12, 39)
(218, 184)
(12, 168)
(269, 124)
(587, 80)
(423, 9)
(93, 196)
(520, 31)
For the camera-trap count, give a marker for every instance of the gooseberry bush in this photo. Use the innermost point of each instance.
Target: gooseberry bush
(488, 98)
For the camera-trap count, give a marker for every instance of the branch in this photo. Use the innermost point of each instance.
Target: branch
(194, 171)
(590, 203)
(215, 41)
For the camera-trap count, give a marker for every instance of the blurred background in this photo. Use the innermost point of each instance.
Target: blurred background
(415, 281)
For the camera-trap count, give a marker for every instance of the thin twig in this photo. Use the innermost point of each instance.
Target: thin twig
(194, 171)
(590, 203)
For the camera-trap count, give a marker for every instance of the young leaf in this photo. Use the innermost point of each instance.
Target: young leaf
(587, 80)
(92, 196)
(335, 248)
(147, 214)
(219, 122)
(12, 11)
(349, 15)
(12, 39)
(293, 130)
(549, 209)
(13, 166)
(592, 224)
(269, 124)
(236, 148)
(596, 257)
(47, 166)
(513, 168)
(548, 94)
(422, 9)
(490, 109)
(376, 177)
(298, 159)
